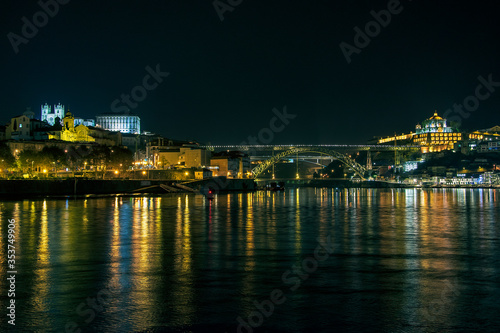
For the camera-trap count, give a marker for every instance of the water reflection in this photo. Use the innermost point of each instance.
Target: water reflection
(400, 258)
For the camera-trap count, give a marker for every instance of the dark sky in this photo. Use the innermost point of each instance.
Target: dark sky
(227, 76)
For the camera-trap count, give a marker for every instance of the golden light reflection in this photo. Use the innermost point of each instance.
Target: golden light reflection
(183, 270)
(298, 229)
(115, 257)
(41, 283)
(246, 239)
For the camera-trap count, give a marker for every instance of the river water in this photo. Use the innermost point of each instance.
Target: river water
(303, 260)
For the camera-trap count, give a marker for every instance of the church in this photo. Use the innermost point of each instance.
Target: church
(49, 116)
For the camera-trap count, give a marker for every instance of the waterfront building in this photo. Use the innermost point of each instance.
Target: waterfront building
(124, 123)
(50, 116)
(232, 164)
(186, 157)
(203, 174)
(166, 154)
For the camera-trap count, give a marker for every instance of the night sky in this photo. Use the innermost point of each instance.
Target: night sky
(227, 76)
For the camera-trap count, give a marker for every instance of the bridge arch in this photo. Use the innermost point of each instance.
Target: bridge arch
(345, 159)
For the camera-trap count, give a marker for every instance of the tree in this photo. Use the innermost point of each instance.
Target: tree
(54, 157)
(7, 160)
(77, 156)
(98, 157)
(28, 159)
(120, 158)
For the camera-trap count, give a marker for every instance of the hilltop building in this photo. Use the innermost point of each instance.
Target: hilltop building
(86, 122)
(23, 127)
(124, 123)
(434, 135)
(82, 133)
(50, 116)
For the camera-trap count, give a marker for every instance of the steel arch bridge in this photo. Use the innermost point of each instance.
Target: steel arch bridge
(358, 168)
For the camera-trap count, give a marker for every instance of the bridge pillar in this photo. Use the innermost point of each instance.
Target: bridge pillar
(368, 160)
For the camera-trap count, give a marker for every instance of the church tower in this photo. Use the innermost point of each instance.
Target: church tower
(46, 110)
(59, 111)
(69, 122)
(49, 116)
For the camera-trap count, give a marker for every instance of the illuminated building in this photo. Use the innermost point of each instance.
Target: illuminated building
(23, 127)
(482, 141)
(18, 128)
(86, 122)
(166, 154)
(402, 137)
(181, 156)
(82, 133)
(124, 123)
(49, 116)
(435, 135)
(231, 164)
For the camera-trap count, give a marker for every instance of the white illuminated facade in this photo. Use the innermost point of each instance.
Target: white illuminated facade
(49, 116)
(86, 122)
(125, 123)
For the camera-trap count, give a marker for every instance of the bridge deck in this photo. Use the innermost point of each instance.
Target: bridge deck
(257, 148)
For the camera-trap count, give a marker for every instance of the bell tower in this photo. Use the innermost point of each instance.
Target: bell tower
(46, 110)
(59, 111)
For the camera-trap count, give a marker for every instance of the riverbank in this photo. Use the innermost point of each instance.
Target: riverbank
(78, 186)
(345, 183)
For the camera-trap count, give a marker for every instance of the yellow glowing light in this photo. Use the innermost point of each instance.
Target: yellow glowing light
(187, 173)
(144, 172)
(44, 170)
(116, 172)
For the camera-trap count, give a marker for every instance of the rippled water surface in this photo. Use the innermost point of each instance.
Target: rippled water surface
(304, 260)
